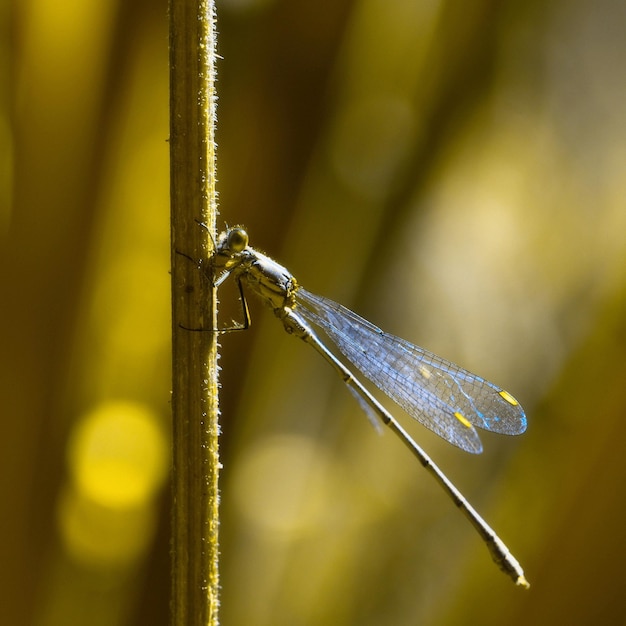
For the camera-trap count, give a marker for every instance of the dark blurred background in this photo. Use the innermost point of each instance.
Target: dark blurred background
(455, 172)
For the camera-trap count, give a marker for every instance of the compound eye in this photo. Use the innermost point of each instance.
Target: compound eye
(237, 239)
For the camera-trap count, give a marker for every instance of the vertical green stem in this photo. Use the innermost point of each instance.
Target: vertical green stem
(195, 518)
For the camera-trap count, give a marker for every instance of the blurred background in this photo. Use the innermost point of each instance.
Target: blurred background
(454, 172)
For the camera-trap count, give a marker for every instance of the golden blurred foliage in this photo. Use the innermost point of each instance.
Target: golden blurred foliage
(452, 171)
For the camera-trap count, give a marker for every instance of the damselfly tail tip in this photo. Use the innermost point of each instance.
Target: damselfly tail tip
(522, 582)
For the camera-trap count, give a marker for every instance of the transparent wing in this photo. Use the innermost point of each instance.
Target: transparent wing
(445, 398)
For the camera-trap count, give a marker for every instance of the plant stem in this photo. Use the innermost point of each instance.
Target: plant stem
(195, 519)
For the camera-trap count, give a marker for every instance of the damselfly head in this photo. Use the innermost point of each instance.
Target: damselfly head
(233, 240)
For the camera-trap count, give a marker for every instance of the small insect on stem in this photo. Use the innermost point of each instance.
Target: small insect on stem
(442, 396)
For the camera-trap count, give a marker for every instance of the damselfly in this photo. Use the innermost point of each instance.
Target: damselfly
(440, 395)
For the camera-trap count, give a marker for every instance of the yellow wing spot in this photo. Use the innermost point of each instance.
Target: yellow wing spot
(425, 372)
(508, 397)
(463, 419)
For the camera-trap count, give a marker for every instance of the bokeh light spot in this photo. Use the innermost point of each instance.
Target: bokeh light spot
(118, 455)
